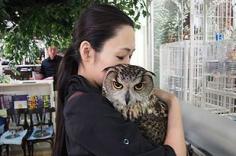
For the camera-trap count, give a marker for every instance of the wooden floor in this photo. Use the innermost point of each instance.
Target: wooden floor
(40, 149)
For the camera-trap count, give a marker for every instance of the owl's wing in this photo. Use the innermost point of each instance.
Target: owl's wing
(153, 123)
(159, 107)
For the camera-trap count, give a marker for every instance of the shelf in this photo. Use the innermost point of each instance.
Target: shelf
(30, 87)
(26, 83)
(26, 65)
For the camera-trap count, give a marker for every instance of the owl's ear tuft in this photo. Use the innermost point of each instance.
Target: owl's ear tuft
(114, 68)
(109, 69)
(149, 73)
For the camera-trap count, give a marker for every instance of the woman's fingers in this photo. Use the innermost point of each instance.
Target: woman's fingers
(165, 96)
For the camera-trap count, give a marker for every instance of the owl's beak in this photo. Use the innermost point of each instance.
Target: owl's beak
(127, 97)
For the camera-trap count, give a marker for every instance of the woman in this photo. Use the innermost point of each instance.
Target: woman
(87, 124)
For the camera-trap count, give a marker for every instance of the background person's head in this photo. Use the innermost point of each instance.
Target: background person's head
(52, 52)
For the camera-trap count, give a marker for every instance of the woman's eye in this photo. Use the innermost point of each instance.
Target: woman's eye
(130, 56)
(120, 57)
(117, 85)
(138, 86)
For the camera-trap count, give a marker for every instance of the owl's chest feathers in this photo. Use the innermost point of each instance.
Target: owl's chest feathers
(151, 106)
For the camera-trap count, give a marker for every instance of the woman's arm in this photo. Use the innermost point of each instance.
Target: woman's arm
(175, 133)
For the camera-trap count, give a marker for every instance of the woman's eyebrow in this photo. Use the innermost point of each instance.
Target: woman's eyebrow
(128, 49)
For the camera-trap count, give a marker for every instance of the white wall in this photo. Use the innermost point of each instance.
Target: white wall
(140, 54)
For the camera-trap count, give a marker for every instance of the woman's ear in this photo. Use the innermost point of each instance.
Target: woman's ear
(86, 51)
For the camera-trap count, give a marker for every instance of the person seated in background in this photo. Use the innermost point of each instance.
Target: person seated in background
(50, 65)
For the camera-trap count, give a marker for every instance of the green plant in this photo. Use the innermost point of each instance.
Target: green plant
(17, 48)
(5, 79)
(22, 23)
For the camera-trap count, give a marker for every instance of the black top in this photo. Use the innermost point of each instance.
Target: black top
(94, 128)
(49, 67)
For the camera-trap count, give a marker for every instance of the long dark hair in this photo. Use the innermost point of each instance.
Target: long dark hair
(96, 24)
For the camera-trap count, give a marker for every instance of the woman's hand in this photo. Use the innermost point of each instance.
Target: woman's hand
(166, 97)
(175, 133)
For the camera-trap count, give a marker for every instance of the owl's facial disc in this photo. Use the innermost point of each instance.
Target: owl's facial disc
(127, 86)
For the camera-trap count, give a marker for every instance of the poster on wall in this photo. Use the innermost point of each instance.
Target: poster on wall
(20, 101)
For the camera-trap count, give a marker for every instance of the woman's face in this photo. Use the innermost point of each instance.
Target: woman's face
(116, 50)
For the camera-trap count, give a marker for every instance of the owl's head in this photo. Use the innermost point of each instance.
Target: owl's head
(127, 85)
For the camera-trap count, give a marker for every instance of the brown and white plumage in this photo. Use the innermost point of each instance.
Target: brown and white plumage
(131, 91)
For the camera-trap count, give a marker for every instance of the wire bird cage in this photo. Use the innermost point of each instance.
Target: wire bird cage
(220, 77)
(212, 19)
(202, 71)
(182, 70)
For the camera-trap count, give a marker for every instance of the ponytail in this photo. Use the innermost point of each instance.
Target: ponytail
(68, 67)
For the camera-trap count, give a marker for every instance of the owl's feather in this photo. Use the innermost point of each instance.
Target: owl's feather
(153, 122)
(131, 90)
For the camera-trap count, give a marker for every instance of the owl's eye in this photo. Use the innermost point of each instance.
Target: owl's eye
(138, 86)
(117, 85)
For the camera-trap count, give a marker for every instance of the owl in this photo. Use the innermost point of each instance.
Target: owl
(131, 91)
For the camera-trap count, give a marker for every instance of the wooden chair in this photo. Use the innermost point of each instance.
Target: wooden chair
(3, 127)
(41, 127)
(19, 117)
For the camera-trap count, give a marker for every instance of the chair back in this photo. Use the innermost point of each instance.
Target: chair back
(41, 116)
(18, 116)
